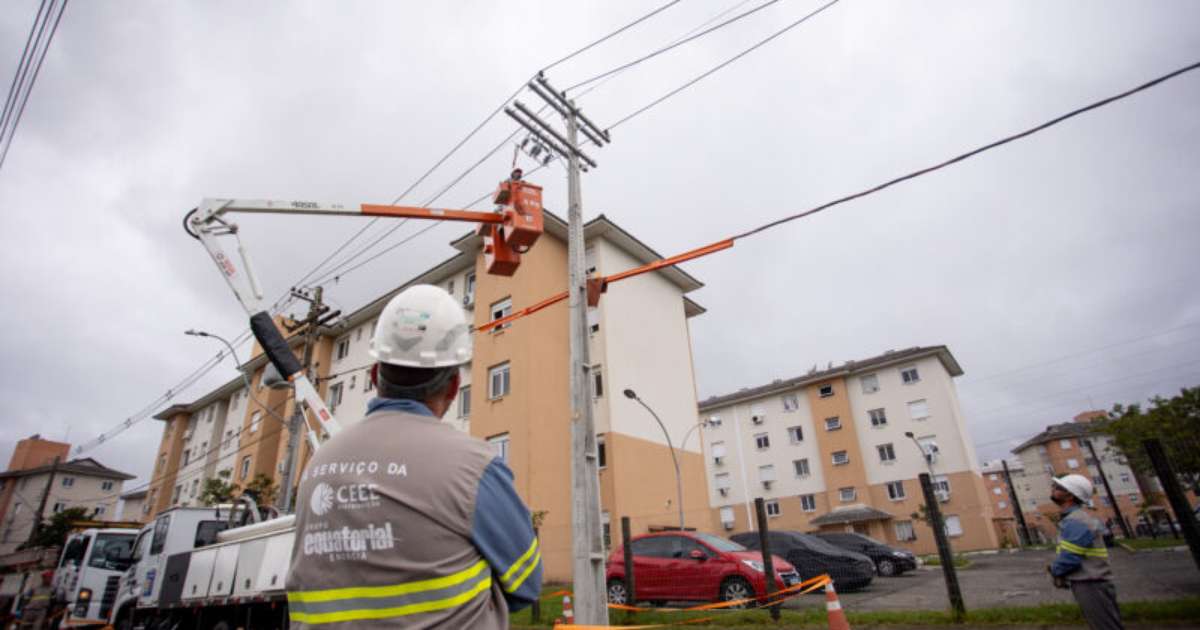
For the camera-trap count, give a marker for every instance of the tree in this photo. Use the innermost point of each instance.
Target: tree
(1175, 421)
(54, 533)
(262, 490)
(218, 489)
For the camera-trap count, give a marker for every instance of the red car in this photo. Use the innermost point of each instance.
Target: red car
(692, 566)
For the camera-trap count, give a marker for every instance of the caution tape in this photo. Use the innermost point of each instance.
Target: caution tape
(775, 598)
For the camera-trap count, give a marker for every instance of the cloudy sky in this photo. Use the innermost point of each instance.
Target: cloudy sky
(1060, 270)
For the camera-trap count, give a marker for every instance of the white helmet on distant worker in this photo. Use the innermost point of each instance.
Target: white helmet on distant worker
(422, 327)
(1077, 485)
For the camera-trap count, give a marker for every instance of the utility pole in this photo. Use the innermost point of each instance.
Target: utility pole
(1016, 501)
(949, 572)
(296, 424)
(37, 522)
(1175, 496)
(591, 606)
(1108, 490)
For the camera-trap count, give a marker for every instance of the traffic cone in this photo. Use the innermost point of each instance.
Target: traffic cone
(837, 616)
(568, 611)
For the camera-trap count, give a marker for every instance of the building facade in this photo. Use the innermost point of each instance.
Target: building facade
(41, 479)
(514, 395)
(1004, 513)
(829, 451)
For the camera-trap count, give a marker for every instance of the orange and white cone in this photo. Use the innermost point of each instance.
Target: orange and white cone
(568, 611)
(837, 616)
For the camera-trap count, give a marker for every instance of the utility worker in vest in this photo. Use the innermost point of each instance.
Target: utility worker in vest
(403, 521)
(1082, 561)
(36, 603)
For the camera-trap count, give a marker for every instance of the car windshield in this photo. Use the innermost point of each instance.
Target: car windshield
(819, 544)
(718, 543)
(105, 542)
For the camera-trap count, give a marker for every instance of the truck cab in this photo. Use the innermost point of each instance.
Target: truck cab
(88, 573)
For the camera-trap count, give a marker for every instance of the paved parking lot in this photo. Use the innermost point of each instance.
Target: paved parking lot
(1020, 579)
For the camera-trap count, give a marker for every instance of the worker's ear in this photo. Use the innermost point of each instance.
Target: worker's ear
(374, 376)
(452, 387)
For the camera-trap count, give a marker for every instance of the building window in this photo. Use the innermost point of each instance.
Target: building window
(727, 516)
(500, 310)
(601, 452)
(886, 452)
(68, 482)
(1105, 500)
(791, 402)
(878, 417)
(469, 289)
(335, 396)
(499, 381)
(847, 494)
(1072, 463)
(723, 482)
(941, 484)
(500, 444)
(450, 287)
(825, 391)
(353, 381)
(606, 529)
(772, 507)
(187, 457)
(801, 467)
(718, 451)
(997, 491)
(58, 507)
(195, 488)
(758, 414)
(895, 490)
(1064, 444)
(1125, 477)
(100, 510)
(994, 477)
(1002, 504)
(175, 495)
(870, 383)
(107, 485)
(358, 331)
(953, 526)
(909, 375)
(918, 409)
(597, 382)
(762, 441)
(840, 458)
(833, 424)
(795, 434)
(464, 401)
(905, 531)
(808, 502)
(343, 349)
(244, 472)
(766, 473)
(256, 417)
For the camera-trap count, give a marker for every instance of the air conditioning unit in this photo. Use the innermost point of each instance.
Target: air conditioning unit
(758, 419)
(187, 435)
(468, 300)
(728, 525)
(724, 491)
(719, 459)
(942, 495)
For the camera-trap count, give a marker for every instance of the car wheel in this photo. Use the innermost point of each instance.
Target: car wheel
(617, 593)
(736, 588)
(886, 567)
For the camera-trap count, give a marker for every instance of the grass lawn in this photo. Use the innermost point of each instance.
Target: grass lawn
(1179, 610)
(960, 561)
(1152, 543)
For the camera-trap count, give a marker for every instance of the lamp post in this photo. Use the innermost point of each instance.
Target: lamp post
(200, 333)
(629, 393)
(699, 425)
(925, 456)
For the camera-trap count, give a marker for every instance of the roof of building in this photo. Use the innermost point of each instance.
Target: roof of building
(86, 467)
(1058, 432)
(135, 495)
(849, 367)
(850, 514)
(997, 465)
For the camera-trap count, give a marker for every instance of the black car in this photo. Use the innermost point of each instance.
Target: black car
(812, 557)
(888, 561)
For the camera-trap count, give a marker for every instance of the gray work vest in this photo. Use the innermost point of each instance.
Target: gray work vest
(383, 524)
(1095, 558)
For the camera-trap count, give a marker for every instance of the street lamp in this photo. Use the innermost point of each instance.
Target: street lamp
(702, 424)
(629, 393)
(200, 333)
(928, 457)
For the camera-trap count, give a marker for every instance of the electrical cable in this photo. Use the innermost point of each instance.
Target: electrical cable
(22, 68)
(16, 121)
(672, 46)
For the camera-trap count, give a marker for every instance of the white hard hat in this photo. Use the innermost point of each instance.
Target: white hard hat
(422, 327)
(1077, 485)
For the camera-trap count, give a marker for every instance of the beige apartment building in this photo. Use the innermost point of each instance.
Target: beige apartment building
(828, 451)
(515, 392)
(1004, 513)
(40, 476)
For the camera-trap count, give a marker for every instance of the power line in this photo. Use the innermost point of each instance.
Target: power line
(671, 46)
(22, 68)
(16, 121)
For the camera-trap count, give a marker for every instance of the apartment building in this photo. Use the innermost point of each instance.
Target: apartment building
(515, 392)
(828, 451)
(1061, 449)
(134, 506)
(38, 474)
(1003, 509)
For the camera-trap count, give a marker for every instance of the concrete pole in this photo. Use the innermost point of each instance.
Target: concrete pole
(1108, 490)
(949, 572)
(296, 422)
(591, 606)
(1016, 501)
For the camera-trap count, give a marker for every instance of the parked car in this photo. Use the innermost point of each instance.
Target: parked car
(692, 566)
(813, 556)
(888, 561)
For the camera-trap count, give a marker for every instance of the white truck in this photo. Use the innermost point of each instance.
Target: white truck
(85, 580)
(191, 569)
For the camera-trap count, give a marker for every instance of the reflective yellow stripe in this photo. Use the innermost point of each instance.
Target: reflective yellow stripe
(537, 558)
(333, 594)
(1094, 552)
(384, 613)
(504, 579)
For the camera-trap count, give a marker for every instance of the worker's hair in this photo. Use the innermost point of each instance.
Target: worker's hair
(396, 381)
